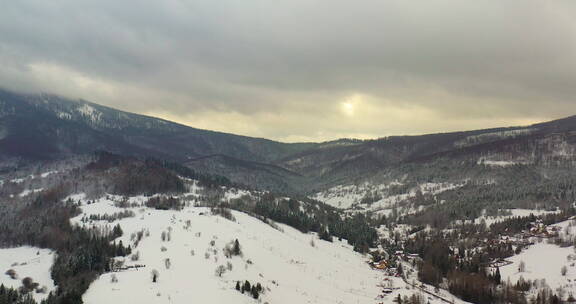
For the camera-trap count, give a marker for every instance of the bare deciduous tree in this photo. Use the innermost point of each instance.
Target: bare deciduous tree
(522, 267)
(220, 270)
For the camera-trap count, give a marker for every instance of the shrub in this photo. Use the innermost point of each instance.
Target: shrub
(42, 289)
(233, 249)
(135, 256)
(522, 267)
(12, 274)
(223, 212)
(155, 275)
(28, 284)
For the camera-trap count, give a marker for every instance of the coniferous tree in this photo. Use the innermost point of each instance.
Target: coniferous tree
(254, 292)
(236, 250)
(497, 276)
(246, 286)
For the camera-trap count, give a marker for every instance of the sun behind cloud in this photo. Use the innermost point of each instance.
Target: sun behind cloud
(350, 104)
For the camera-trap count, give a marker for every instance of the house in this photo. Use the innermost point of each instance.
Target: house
(382, 265)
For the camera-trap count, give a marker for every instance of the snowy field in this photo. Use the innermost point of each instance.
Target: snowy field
(27, 262)
(544, 261)
(283, 260)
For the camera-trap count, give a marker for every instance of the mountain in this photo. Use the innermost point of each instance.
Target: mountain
(48, 127)
(41, 127)
(54, 118)
(479, 156)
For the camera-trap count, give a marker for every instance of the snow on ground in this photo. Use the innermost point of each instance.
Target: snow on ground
(500, 163)
(282, 260)
(345, 197)
(386, 203)
(27, 262)
(412, 286)
(544, 261)
(341, 196)
(567, 228)
(30, 191)
(18, 180)
(46, 174)
(89, 112)
(22, 179)
(235, 194)
(513, 213)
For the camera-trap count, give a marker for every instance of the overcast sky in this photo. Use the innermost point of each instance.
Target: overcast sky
(301, 70)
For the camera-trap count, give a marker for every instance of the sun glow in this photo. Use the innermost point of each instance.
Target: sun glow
(349, 106)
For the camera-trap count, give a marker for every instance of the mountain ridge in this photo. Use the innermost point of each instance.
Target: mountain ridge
(42, 127)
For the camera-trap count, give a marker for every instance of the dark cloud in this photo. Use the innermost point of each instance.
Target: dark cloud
(300, 69)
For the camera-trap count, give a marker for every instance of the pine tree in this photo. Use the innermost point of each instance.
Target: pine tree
(246, 286)
(120, 249)
(117, 231)
(497, 276)
(236, 250)
(254, 292)
(238, 285)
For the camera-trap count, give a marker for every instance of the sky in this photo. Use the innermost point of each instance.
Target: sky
(301, 70)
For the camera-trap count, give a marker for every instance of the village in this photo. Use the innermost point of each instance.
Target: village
(402, 265)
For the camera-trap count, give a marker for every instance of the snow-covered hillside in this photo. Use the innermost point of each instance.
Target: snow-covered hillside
(291, 266)
(544, 262)
(379, 198)
(492, 136)
(549, 264)
(509, 213)
(27, 262)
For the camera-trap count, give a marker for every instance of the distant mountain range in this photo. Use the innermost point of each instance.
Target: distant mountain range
(47, 127)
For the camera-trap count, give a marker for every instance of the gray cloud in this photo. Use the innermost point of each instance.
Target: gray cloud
(300, 69)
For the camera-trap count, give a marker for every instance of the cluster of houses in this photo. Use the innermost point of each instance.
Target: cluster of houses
(383, 261)
(536, 229)
(539, 229)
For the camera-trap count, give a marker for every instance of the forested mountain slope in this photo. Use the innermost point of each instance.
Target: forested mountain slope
(47, 127)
